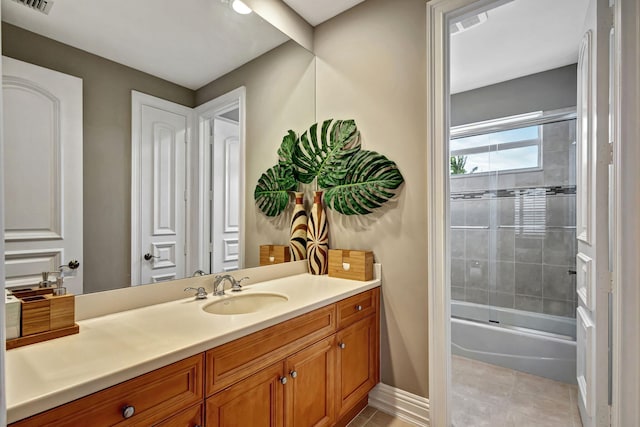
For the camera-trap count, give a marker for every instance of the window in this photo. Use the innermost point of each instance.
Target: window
(512, 149)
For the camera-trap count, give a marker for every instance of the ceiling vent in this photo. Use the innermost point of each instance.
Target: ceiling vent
(43, 6)
(467, 23)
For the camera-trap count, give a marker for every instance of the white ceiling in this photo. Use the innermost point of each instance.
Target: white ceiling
(317, 11)
(188, 42)
(519, 38)
(192, 42)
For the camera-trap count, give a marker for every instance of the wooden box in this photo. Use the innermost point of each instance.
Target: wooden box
(35, 315)
(62, 313)
(348, 264)
(274, 254)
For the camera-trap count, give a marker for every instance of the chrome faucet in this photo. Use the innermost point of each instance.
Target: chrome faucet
(219, 280)
(198, 273)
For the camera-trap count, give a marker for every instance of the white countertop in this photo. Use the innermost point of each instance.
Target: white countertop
(117, 347)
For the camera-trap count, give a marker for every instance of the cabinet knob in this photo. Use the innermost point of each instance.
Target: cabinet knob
(293, 374)
(128, 411)
(358, 307)
(283, 380)
(342, 345)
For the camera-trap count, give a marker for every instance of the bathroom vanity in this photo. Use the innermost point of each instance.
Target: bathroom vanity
(309, 361)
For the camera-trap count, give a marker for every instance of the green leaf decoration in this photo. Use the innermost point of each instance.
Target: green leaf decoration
(370, 182)
(325, 156)
(285, 152)
(272, 192)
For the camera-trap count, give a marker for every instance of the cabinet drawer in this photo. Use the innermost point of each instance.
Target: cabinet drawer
(154, 397)
(238, 359)
(357, 307)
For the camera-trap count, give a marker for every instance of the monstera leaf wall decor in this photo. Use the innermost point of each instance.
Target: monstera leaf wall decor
(356, 181)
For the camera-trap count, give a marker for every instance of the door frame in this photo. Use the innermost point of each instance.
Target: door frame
(204, 114)
(626, 367)
(138, 99)
(3, 394)
(626, 231)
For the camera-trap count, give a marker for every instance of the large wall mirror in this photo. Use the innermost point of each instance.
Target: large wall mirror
(235, 78)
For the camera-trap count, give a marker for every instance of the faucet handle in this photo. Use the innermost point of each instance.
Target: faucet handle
(201, 293)
(236, 286)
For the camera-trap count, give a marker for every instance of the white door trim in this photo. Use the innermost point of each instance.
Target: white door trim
(204, 113)
(626, 311)
(138, 99)
(626, 317)
(3, 394)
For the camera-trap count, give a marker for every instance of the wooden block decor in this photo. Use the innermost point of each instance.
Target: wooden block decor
(35, 315)
(62, 311)
(31, 291)
(44, 336)
(45, 317)
(351, 264)
(274, 254)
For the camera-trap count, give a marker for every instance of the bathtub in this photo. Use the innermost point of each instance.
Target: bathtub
(535, 343)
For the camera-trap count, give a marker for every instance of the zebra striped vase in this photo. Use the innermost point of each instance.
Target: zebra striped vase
(298, 238)
(318, 237)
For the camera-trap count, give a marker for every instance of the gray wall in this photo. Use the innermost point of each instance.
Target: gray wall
(549, 90)
(280, 89)
(107, 89)
(371, 67)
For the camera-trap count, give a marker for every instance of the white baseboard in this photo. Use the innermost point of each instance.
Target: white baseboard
(401, 404)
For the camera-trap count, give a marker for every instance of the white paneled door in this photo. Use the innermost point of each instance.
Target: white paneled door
(593, 282)
(160, 134)
(42, 121)
(226, 194)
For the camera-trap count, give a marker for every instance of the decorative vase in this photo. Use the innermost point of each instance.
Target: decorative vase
(298, 237)
(318, 237)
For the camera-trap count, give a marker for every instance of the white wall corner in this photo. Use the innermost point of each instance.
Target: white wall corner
(401, 404)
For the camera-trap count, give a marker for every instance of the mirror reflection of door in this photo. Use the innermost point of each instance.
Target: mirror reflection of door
(225, 186)
(160, 135)
(43, 173)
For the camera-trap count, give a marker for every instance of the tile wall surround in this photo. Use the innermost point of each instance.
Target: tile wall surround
(513, 236)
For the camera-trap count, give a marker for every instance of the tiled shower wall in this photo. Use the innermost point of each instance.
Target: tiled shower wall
(513, 234)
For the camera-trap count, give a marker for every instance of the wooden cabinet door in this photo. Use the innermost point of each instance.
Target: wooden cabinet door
(310, 389)
(357, 350)
(256, 401)
(191, 417)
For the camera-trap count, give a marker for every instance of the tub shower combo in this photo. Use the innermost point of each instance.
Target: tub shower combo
(513, 243)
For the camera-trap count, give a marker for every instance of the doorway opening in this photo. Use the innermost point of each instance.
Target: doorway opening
(221, 124)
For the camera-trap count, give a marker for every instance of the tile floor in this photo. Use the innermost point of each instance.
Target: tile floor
(492, 396)
(488, 395)
(371, 417)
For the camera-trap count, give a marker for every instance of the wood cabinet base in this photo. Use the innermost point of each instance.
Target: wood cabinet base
(315, 370)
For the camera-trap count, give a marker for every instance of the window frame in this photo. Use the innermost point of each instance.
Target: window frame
(535, 118)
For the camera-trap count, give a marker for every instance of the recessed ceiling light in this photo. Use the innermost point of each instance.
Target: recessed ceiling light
(240, 7)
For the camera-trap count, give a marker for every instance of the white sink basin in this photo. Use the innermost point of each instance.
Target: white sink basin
(245, 303)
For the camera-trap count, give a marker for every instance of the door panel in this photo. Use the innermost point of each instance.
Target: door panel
(160, 131)
(356, 362)
(226, 194)
(43, 172)
(593, 276)
(256, 401)
(310, 391)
